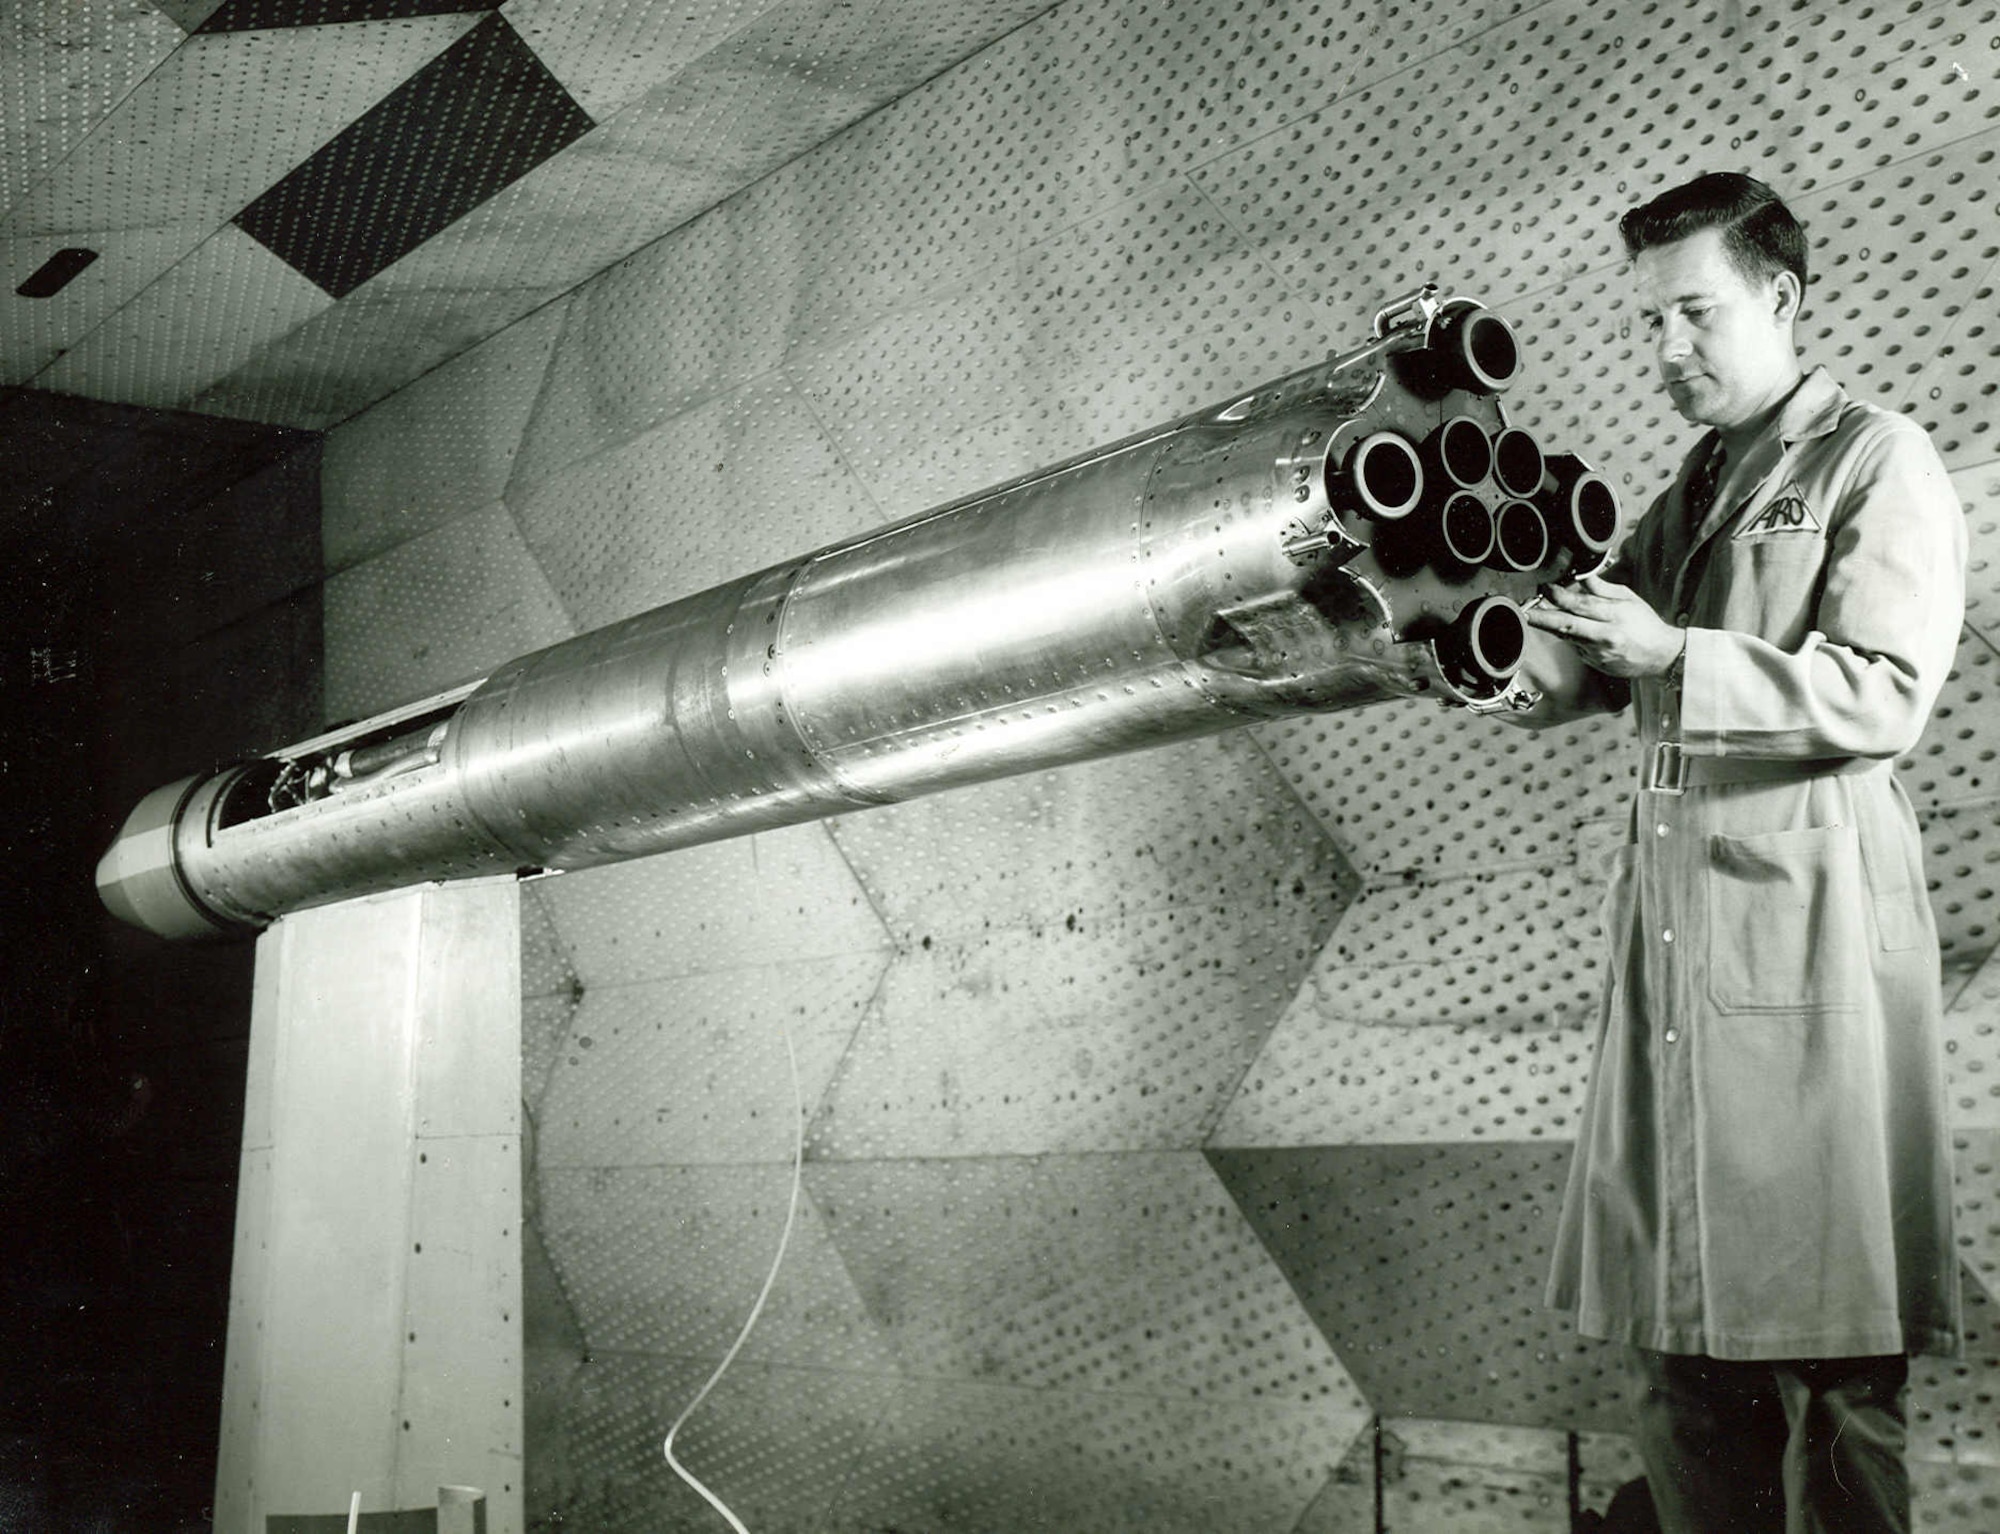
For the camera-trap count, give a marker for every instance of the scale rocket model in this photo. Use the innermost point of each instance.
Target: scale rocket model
(1363, 530)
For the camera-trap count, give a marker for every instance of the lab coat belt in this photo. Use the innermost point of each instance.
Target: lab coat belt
(1672, 770)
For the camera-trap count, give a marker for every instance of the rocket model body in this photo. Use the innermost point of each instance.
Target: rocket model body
(1365, 529)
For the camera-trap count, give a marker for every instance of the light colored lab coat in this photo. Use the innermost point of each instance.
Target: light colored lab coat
(1763, 1165)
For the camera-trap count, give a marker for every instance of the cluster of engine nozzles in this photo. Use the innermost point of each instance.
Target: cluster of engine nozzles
(1430, 502)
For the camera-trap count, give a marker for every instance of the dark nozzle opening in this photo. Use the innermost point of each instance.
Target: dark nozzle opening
(1517, 462)
(1485, 644)
(1521, 538)
(1584, 507)
(1465, 531)
(1594, 513)
(1384, 475)
(1459, 453)
(1477, 348)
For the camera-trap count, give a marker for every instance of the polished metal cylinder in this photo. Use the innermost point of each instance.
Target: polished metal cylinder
(1218, 570)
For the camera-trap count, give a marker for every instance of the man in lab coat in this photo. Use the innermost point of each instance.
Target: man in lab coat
(1760, 1200)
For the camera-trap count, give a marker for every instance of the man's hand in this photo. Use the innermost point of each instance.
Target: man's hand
(1612, 627)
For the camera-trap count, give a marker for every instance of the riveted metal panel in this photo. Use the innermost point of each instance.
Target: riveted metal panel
(461, 1402)
(201, 320)
(1098, 839)
(443, 446)
(1117, 1032)
(1131, 1274)
(668, 1260)
(545, 1025)
(436, 610)
(62, 69)
(693, 1070)
(735, 484)
(1425, 1265)
(771, 898)
(776, 1443)
(956, 1456)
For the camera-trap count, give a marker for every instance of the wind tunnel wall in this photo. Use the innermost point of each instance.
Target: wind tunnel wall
(1174, 1115)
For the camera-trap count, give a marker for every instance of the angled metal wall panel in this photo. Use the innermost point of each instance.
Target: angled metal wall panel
(1077, 845)
(778, 1443)
(958, 1456)
(204, 318)
(1131, 1275)
(744, 481)
(62, 69)
(437, 610)
(1972, 1050)
(667, 1261)
(695, 1070)
(440, 448)
(171, 164)
(766, 900)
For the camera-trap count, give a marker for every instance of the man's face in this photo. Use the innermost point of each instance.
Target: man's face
(1723, 341)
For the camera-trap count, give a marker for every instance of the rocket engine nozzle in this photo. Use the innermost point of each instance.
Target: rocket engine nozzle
(1384, 474)
(1484, 645)
(1473, 349)
(1520, 537)
(1582, 510)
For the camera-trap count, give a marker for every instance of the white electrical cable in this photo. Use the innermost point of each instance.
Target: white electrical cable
(756, 1310)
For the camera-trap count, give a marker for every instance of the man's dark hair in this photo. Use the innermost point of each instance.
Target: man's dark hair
(1759, 234)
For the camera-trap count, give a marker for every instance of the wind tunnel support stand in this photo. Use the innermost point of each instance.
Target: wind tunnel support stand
(374, 1339)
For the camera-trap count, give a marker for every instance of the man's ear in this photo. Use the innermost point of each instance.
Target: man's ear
(1787, 297)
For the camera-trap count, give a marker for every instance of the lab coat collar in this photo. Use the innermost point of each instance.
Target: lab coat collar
(1812, 410)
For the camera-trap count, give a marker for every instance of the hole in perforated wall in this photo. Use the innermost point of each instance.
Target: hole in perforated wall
(56, 273)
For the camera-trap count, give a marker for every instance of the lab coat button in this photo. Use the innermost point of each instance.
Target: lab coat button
(1660, 830)
(1673, 1035)
(1667, 936)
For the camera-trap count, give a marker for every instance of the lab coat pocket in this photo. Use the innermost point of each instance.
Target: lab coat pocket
(1785, 928)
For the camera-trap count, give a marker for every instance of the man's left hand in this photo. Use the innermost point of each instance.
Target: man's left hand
(1612, 627)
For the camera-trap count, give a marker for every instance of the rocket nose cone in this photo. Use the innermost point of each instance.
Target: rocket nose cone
(137, 879)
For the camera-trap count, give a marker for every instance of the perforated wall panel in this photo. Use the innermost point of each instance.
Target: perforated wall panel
(434, 611)
(741, 482)
(178, 164)
(695, 1069)
(439, 449)
(1168, 1114)
(62, 68)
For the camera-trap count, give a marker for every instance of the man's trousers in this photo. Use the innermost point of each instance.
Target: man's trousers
(1800, 1446)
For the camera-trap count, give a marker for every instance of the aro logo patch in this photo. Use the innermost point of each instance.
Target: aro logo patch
(1787, 512)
